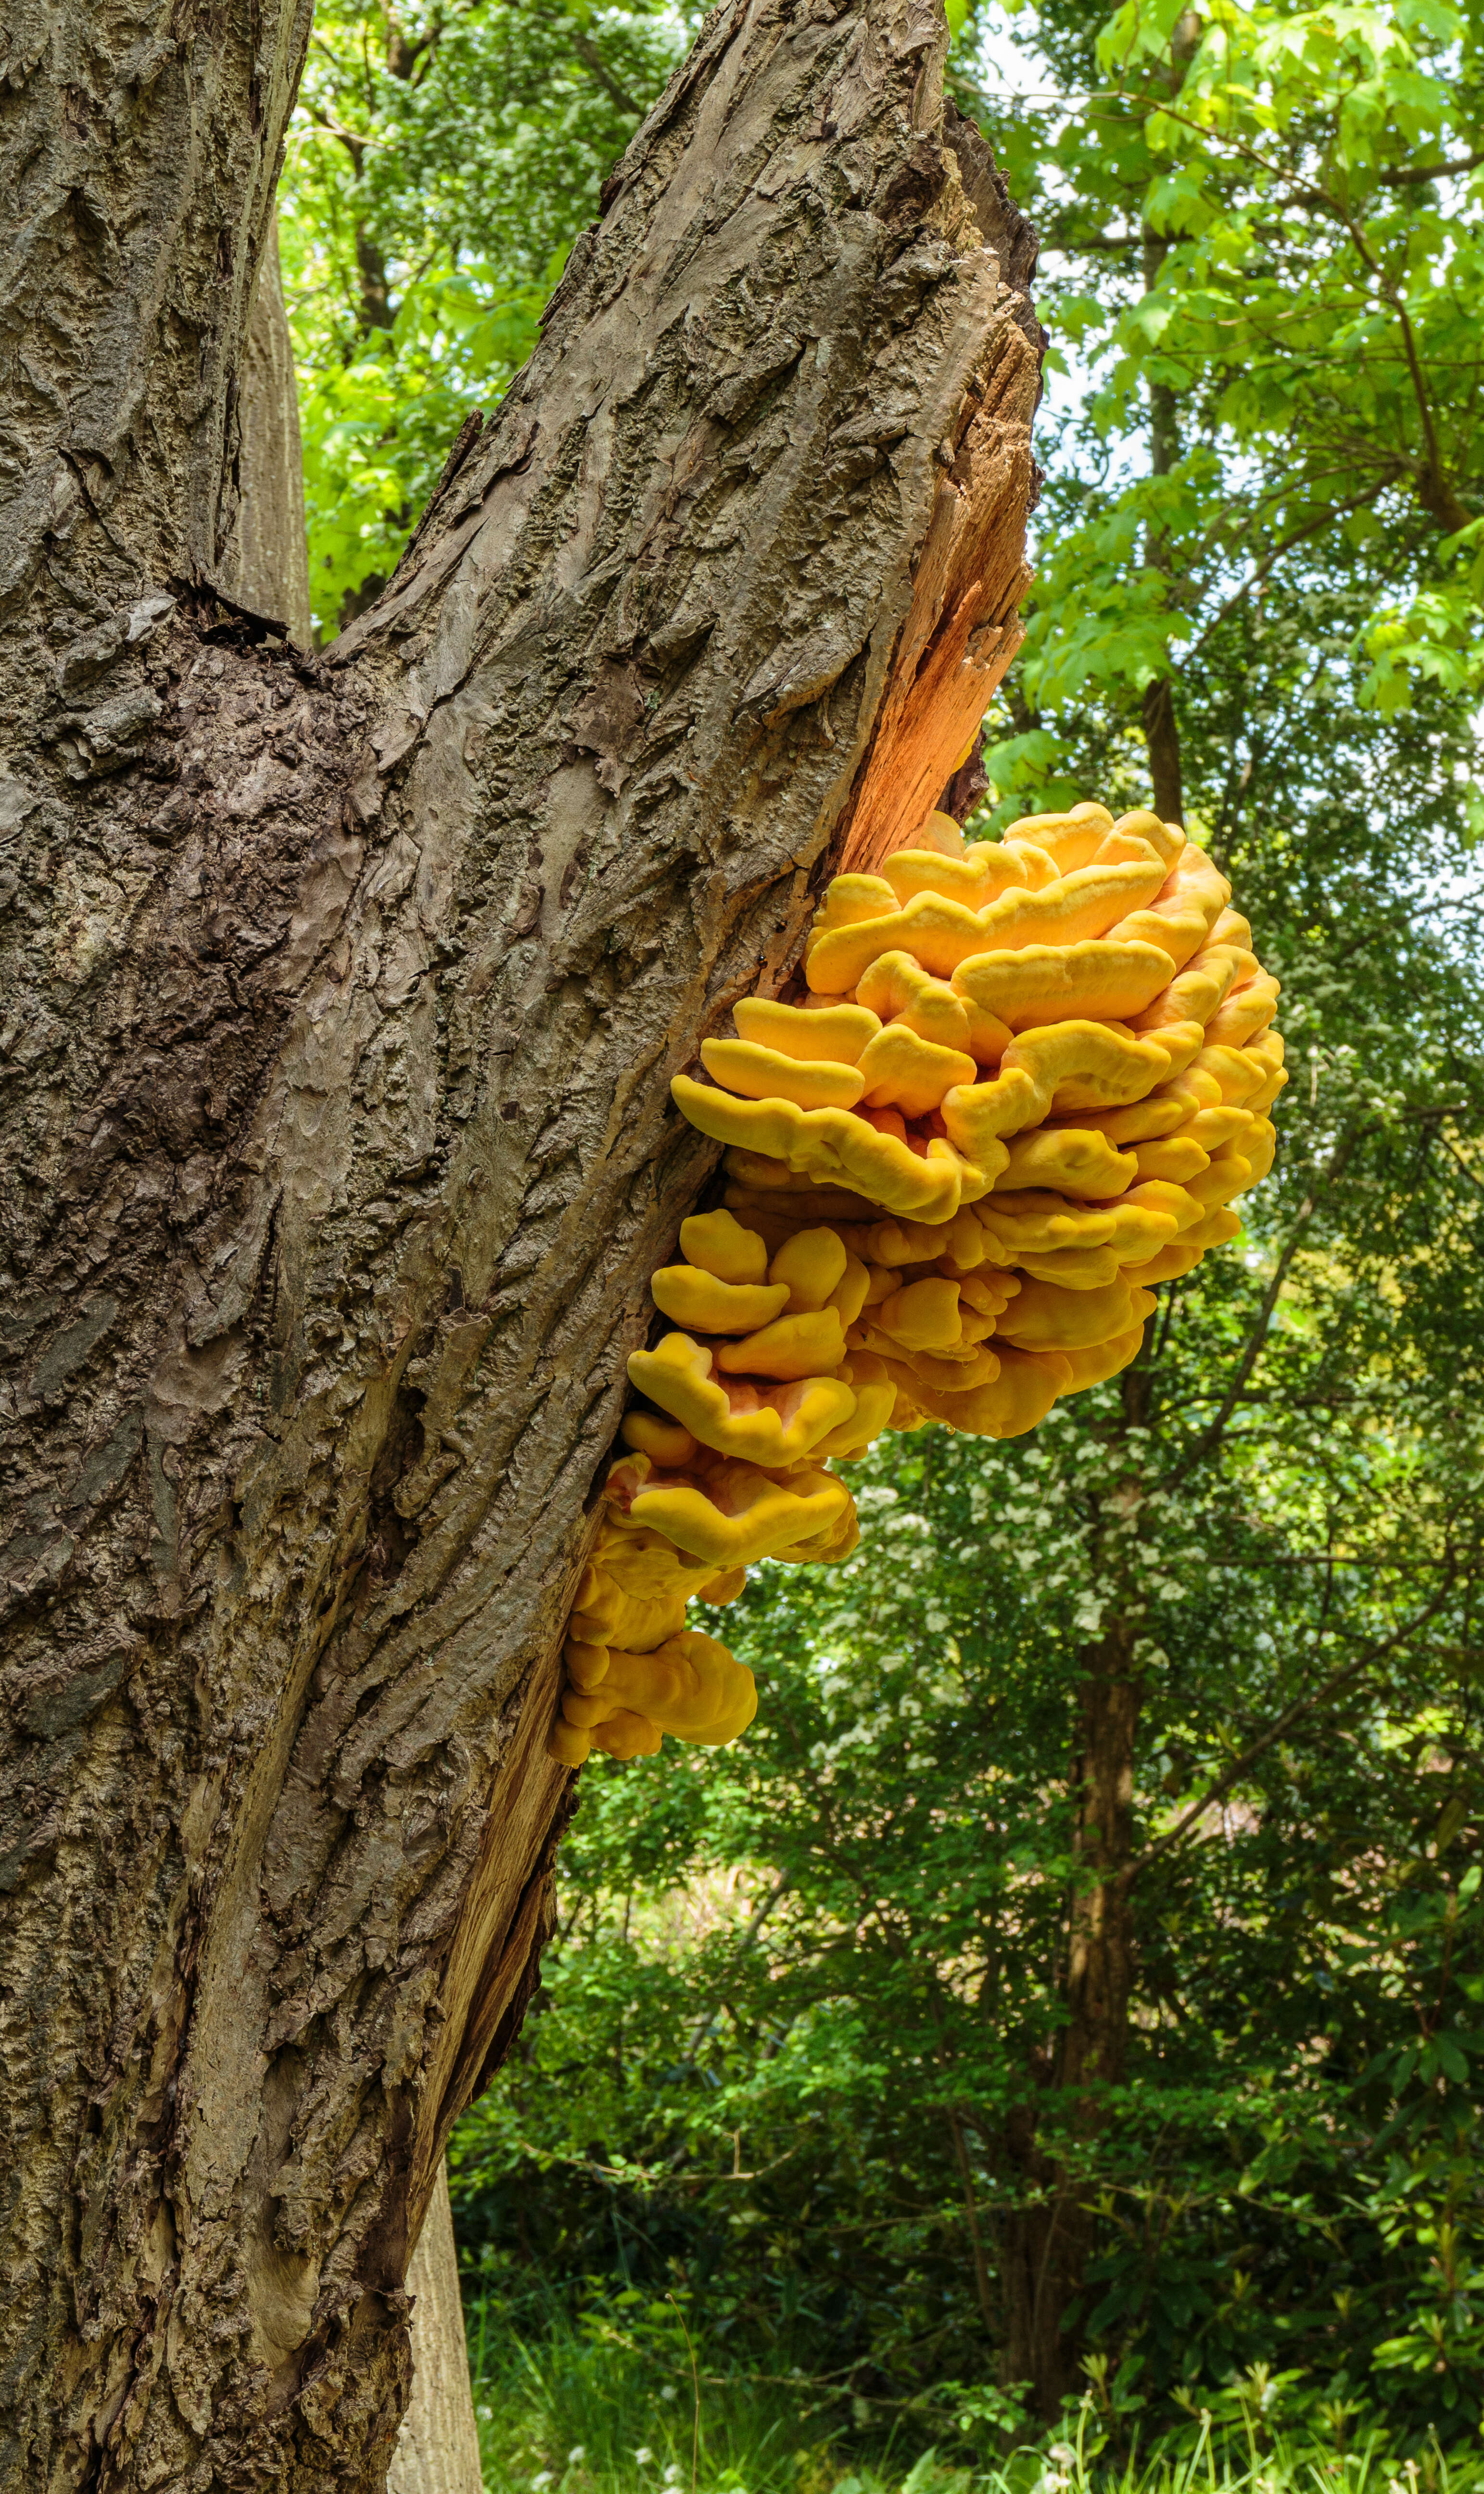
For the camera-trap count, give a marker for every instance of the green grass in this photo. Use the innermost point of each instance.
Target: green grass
(613, 2406)
(589, 2412)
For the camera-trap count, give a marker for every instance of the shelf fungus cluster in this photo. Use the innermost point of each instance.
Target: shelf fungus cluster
(1025, 1081)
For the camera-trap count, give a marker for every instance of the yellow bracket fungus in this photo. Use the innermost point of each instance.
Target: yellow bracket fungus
(1021, 1087)
(697, 1299)
(764, 1423)
(731, 1513)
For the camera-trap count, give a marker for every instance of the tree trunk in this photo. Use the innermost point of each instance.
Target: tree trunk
(437, 2448)
(1162, 728)
(341, 1006)
(1051, 2239)
(270, 572)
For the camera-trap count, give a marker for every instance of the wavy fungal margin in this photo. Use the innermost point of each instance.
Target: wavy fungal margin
(1026, 1081)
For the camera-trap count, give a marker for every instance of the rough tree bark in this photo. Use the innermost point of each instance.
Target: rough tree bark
(340, 1008)
(438, 2445)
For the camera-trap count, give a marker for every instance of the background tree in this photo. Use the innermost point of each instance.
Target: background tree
(338, 1139)
(1263, 226)
(439, 167)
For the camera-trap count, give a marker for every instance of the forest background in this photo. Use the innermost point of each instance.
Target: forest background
(819, 2118)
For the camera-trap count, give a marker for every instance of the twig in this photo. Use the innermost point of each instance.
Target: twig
(586, 50)
(1292, 1715)
(1211, 1436)
(1296, 537)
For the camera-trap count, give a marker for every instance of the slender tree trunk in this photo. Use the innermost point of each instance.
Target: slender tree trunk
(268, 567)
(1099, 1986)
(1051, 2239)
(341, 1003)
(437, 2448)
(1162, 733)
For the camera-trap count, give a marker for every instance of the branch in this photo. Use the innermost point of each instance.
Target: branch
(1292, 1715)
(1296, 537)
(586, 50)
(1396, 175)
(1210, 1437)
(1096, 242)
(1312, 196)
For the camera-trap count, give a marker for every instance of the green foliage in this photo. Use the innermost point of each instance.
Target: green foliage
(438, 169)
(1258, 254)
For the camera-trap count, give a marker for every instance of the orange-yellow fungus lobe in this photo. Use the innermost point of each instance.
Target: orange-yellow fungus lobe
(736, 1513)
(717, 1243)
(1140, 1121)
(1099, 1360)
(1160, 1198)
(1211, 1128)
(1006, 1404)
(1070, 840)
(875, 1396)
(901, 991)
(567, 1746)
(837, 1146)
(807, 1268)
(1048, 1317)
(832, 1034)
(939, 933)
(1234, 1070)
(766, 1424)
(1180, 917)
(664, 1442)
(1068, 1066)
(586, 1665)
(1042, 983)
(1167, 840)
(763, 1189)
(921, 1316)
(808, 1345)
(1076, 907)
(851, 900)
(1088, 1065)
(902, 1070)
(978, 876)
(690, 1686)
(1024, 1082)
(940, 832)
(1178, 1157)
(1229, 1174)
(627, 1736)
(702, 1304)
(1247, 1010)
(1068, 1160)
(767, 1074)
(1038, 1223)
(1074, 1268)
